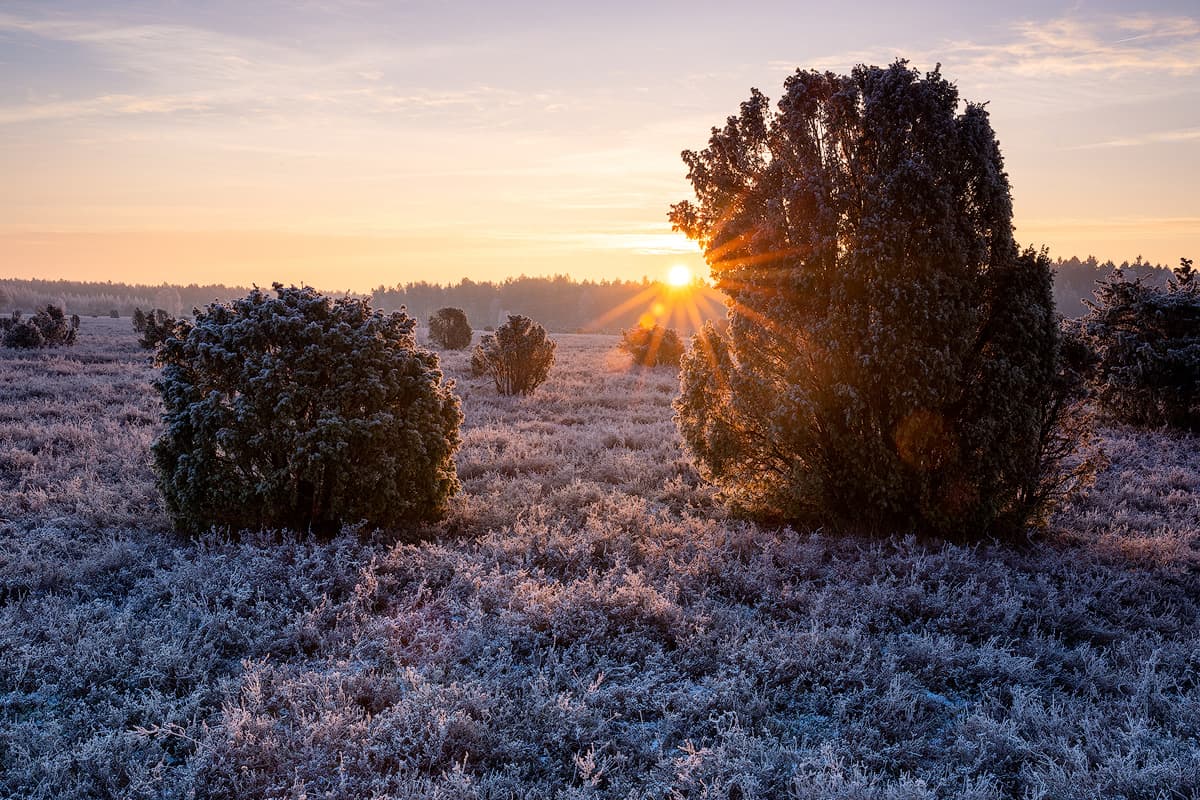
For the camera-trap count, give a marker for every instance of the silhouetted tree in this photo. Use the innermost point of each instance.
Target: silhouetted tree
(891, 356)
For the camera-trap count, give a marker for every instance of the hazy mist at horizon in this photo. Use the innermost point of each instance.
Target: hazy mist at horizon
(356, 144)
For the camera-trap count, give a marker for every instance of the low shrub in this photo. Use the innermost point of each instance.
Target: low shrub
(299, 411)
(518, 356)
(1146, 349)
(653, 346)
(449, 329)
(49, 327)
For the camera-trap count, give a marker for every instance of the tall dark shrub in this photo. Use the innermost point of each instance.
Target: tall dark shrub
(518, 356)
(303, 412)
(449, 329)
(891, 357)
(653, 346)
(1146, 342)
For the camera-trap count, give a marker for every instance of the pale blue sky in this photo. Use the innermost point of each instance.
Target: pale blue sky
(350, 144)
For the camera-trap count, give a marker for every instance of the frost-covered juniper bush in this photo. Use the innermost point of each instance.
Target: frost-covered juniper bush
(49, 327)
(1145, 342)
(518, 356)
(890, 360)
(303, 412)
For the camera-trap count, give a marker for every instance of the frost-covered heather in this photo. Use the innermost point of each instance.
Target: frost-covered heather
(585, 623)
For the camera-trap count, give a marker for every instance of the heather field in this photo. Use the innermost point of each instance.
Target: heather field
(586, 623)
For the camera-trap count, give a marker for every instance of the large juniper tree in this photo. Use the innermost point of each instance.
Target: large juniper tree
(890, 358)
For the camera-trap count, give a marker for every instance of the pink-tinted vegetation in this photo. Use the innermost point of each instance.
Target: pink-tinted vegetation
(586, 622)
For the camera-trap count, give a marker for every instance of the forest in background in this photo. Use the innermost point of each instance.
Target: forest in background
(561, 304)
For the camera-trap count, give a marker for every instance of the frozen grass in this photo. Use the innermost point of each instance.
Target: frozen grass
(585, 623)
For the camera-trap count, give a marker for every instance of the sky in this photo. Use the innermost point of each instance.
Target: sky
(350, 144)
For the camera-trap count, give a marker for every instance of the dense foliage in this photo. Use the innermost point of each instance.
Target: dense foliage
(49, 327)
(449, 329)
(518, 356)
(652, 346)
(302, 412)
(890, 361)
(154, 326)
(1146, 343)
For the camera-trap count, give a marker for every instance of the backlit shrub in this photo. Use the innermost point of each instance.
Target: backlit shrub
(653, 346)
(891, 361)
(518, 356)
(303, 412)
(449, 329)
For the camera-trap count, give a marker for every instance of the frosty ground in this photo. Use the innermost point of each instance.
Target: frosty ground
(586, 623)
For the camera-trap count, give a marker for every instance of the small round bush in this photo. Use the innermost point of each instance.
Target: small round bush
(653, 346)
(449, 329)
(299, 411)
(518, 356)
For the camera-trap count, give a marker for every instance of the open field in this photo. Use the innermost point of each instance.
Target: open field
(586, 622)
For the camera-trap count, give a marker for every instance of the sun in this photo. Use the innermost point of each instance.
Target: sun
(679, 276)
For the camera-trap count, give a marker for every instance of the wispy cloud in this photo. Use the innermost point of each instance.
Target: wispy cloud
(161, 69)
(1156, 137)
(1081, 60)
(1070, 46)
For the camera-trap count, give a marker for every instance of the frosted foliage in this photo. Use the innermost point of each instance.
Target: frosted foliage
(518, 356)
(49, 327)
(584, 622)
(890, 357)
(1145, 343)
(303, 412)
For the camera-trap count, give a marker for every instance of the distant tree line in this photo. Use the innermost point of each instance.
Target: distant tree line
(561, 304)
(1075, 280)
(96, 299)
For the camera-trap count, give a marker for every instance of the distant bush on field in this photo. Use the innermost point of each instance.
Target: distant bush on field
(154, 326)
(1145, 343)
(518, 356)
(114, 314)
(49, 327)
(449, 329)
(653, 346)
(302, 412)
